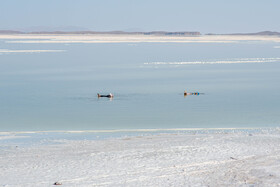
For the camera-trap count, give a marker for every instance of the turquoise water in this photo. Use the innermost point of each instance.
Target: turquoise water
(57, 91)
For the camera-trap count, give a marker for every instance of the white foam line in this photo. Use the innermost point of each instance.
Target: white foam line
(232, 61)
(276, 46)
(29, 51)
(132, 130)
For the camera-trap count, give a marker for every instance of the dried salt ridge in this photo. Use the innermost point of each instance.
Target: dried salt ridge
(206, 158)
(5, 51)
(226, 61)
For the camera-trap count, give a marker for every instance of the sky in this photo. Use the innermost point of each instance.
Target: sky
(205, 16)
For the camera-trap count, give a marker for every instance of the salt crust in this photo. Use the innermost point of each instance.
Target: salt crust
(218, 158)
(107, 38)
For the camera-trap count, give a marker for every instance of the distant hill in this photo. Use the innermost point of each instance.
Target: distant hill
(263, 33)
(10, 32)
(183, 33)
(157, 33)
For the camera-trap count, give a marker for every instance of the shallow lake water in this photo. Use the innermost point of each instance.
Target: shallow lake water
(238, 82)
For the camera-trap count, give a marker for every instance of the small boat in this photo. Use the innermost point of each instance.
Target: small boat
(108, 96)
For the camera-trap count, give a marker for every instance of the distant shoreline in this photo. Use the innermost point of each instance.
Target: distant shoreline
(152, 33)
(159, 33)
(132, 38)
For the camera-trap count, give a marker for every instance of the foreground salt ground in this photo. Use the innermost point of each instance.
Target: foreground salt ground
(218, 158)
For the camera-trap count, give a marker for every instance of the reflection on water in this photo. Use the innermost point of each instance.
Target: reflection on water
(57, 91)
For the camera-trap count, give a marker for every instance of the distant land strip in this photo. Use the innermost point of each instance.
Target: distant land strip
(263, 33)
(158, 33)
(161, 33)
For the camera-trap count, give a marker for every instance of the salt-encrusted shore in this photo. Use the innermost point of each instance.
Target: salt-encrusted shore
(116, 38)
(179, 158)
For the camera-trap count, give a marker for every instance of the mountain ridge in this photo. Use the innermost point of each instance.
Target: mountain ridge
(160, 33)
(182, 33)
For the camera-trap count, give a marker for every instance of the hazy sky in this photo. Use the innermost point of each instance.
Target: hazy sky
(206, 16)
